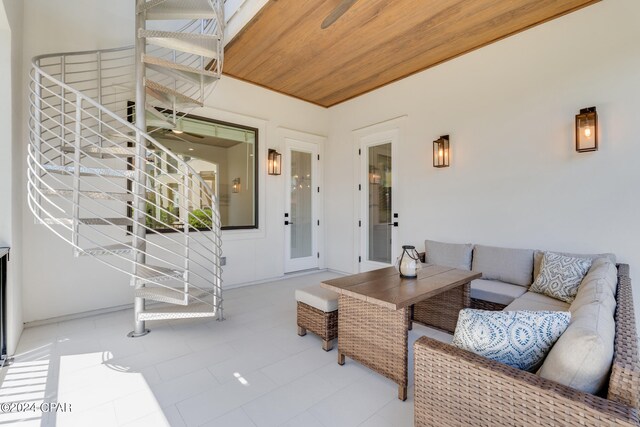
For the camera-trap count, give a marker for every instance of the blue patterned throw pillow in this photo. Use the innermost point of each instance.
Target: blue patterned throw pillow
(520, 339)
(560, 276)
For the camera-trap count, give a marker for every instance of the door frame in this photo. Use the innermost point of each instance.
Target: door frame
(312, 142)
(388, 130)
(380, 138)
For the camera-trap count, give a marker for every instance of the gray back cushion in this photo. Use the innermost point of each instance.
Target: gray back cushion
(582, 357)
(538, 255)
(504, 264)
(456, 255)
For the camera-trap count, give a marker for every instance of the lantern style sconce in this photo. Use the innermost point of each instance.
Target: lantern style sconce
(441, 152)
(236, 185)
(274, 166)
(587, 130)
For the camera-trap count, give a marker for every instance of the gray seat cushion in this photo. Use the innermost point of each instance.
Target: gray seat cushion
(454, 255)
(495, 291)
(504, 264)
(538, 255)
(582, 357)
(318, 297)
(537, 302)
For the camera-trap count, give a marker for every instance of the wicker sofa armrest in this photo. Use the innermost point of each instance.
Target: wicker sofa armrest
(454, 387)
(624, 384)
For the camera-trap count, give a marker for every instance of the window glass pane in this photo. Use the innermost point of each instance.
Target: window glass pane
(380, 203)
(301, 205)
(223, 154)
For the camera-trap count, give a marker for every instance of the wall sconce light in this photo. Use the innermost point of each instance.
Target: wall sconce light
(274, 166)
(587, 130)
(441, 152)
(236, 185)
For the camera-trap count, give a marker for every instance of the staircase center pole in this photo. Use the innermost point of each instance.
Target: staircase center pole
(139, 196)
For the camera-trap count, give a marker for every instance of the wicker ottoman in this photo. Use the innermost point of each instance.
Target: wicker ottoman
(318, 313)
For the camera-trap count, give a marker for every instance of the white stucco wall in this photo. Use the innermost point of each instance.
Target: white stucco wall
(11, 160)
(515, 178)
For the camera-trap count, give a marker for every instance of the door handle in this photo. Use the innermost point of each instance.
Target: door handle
(395, 224)
(288, 223)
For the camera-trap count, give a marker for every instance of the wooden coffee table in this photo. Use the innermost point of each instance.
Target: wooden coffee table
(374, 314)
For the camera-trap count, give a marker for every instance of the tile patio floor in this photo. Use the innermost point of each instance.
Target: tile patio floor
(250, 370)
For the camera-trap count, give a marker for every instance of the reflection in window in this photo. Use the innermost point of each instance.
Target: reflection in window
(220, 153)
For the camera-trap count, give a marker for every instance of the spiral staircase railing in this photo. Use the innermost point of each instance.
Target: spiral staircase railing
(99, 180)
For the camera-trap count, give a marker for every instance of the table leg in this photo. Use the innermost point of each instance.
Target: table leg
(402, 393)
(376, 337)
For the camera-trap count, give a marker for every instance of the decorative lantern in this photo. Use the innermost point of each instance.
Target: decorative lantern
(409, 262)
(587, 130)
(441, 152)
(274, 166)
(235, 188)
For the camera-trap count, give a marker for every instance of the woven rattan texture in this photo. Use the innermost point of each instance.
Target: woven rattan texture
(375, 336)
(441, 311)
(480, 304)
(325, 325)
(454, 387)
(624, 384)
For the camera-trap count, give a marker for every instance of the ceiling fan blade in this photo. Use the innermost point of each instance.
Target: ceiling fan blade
(193, 135)
(340, 10)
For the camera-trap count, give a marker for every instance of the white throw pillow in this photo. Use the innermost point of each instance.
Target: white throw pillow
(560, 276)
(520, 339)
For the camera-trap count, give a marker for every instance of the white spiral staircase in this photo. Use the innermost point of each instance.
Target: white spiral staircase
(99, 180)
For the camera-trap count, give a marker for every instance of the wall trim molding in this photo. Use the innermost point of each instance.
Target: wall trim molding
(381, 126)
(116, 308)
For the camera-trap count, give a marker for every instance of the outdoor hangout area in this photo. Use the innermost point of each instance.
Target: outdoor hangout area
(319, 213)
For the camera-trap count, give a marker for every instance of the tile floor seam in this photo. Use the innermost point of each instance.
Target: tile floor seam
(255, 346)
(241, 408)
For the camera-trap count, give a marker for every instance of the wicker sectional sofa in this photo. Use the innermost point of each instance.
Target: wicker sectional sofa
(454, 387)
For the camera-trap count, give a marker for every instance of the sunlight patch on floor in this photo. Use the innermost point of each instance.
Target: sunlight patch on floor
(23, 390)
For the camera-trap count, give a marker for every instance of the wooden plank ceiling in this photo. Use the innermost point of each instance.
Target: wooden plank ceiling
(374, 43)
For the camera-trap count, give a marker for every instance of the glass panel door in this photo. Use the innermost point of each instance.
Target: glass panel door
(380, 210)
(301, 218)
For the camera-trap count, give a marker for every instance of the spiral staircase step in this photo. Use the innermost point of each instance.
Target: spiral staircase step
(87, 171)
(179, 71)
(166, 295)
(102, 152)
(115, 249)
(178, 312)
(170, 96)
(90, 221)
(96, 195)
(177, 10)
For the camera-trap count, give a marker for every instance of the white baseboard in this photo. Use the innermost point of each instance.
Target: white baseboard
(80, 315)
(273, 279)
(114, 309)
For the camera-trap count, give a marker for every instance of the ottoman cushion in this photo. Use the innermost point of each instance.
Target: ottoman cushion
(318, 297)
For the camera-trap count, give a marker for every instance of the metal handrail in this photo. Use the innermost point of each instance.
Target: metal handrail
(121, 121)
(79, 103)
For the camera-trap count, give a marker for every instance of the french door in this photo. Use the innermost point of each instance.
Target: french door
(301, 209)
(379, 221)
